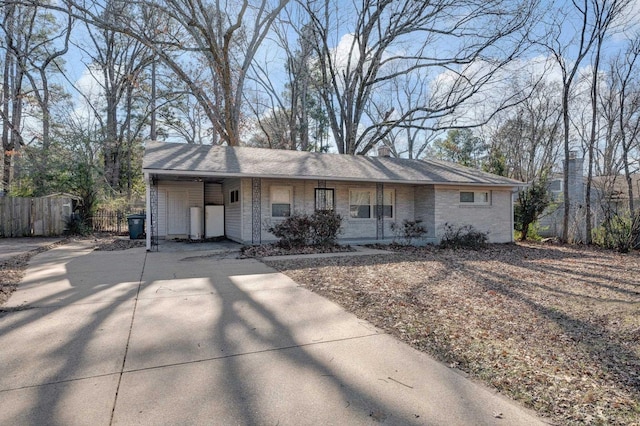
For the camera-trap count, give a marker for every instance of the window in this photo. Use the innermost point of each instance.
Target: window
(281, 201)
(388, 202)
(476, 197)
(362, 204)
(466, 197)
(234, 196)
(325, 199)
(556, 189)
(555, 185)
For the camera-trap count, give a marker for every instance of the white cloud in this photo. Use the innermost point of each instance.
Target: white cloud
(497, 86)
(89, 86)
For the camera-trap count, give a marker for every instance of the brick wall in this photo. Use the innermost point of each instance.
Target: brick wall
(433, 205)
(495, 218)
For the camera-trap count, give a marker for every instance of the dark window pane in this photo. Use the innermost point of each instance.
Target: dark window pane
(360, 212)
(387, 211)
(466, 197)
(281, 210)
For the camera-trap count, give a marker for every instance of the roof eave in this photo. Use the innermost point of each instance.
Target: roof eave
(329, 178)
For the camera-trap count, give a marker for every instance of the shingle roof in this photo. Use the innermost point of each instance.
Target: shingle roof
(615, 187)
(224, 161)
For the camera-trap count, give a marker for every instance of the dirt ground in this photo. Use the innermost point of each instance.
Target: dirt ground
(554, 327)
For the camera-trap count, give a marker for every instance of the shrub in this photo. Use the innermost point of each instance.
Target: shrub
(409, 230)
(531, 203)
(298, 230)
(534, 231)
(325, 228)
(463, 237)
(620, 232)
(294, 231)
(75, 225)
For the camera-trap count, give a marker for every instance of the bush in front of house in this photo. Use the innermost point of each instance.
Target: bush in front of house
(298, 230)
(325, 228)
(294, 231)
(465, 236)
(408, 231)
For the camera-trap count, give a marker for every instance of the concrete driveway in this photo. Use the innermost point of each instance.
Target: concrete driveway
(10, 247)
(129, 337)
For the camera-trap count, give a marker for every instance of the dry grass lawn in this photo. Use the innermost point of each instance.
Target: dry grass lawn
(554, 327)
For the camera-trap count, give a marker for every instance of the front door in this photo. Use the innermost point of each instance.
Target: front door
(177, 213)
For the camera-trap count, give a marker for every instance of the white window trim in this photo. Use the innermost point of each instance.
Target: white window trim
(373, 203)
(371, 198)
(271, 191)
(477, 196)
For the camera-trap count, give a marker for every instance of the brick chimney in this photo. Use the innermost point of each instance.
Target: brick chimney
(384, 151)
(577, 192)
(576, 180)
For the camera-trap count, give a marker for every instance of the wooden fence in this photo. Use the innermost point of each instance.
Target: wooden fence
(26, 217)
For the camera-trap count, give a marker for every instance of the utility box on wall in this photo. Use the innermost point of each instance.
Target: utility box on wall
(214, 221)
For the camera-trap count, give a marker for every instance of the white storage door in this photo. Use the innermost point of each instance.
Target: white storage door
(214, 221)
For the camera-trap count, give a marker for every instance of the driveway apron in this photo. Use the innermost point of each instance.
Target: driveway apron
(130, 337)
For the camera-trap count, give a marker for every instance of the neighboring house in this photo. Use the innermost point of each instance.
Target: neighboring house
(258, 187)
(551, 222)
(609, 195)
(613, 193)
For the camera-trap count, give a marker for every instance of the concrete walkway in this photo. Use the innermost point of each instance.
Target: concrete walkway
(10, 247)
(129, 337)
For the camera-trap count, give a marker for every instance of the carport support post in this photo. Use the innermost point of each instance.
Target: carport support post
(148, 229)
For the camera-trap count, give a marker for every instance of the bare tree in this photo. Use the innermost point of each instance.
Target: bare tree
(528, 137)
(14, 40)
(225, 37)
(38, 58)
(605, 16)
(624, 72)
(464, 43)
(559, 48)
(413, 137)
(588, 21)
(274, 131)
(291, 98)
(221, 37)
(118, 64)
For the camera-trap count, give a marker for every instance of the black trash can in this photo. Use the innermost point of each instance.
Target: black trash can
(136, 226)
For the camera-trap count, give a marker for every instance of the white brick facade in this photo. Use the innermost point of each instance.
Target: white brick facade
(434, 205)
(251, 182)
(496, 218)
